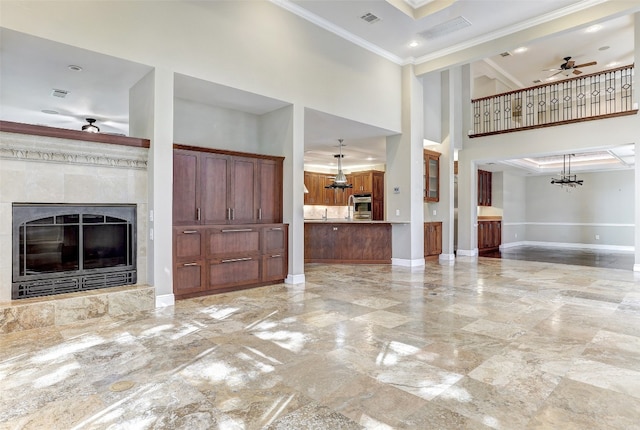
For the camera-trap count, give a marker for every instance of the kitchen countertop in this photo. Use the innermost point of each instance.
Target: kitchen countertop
(346, 221)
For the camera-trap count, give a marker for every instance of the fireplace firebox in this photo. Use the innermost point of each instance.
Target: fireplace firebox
(62, 248)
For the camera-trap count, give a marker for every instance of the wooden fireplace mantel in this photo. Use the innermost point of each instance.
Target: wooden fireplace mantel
(41, 130)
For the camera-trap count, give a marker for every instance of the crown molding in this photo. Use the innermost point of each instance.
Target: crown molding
(338, 31)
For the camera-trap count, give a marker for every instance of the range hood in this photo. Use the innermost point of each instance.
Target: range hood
(340, 181)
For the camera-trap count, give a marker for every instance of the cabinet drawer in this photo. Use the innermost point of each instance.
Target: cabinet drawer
(233, 240)
(188, 278)
(274, 238)
(229, 272)
(187, 243)
(274, 267)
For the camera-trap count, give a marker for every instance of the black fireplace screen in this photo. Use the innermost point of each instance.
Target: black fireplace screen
(64, 248)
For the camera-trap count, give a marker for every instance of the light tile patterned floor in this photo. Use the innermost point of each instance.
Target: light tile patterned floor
(479, 344)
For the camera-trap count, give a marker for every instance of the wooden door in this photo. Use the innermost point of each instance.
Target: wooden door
(215, 186)
(186, 188)
(242, 190)
(269, 194)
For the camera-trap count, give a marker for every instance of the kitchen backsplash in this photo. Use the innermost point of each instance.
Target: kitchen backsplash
(333, 212)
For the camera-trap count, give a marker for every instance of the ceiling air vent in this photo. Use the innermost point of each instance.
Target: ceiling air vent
(370, 18)
(59, 93)
(505, 54)
(446, 27)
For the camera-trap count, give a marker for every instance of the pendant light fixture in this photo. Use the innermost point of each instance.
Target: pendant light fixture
(566, 179)
(340, 180)
(90, 128)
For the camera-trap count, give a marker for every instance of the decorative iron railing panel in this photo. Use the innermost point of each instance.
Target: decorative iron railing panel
(577, 99)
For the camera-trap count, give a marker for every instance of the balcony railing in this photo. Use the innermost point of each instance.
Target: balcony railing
(595, 96)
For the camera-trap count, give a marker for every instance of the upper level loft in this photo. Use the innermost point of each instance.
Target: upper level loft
(584, 98)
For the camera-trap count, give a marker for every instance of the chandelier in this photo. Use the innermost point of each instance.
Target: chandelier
(566, 178)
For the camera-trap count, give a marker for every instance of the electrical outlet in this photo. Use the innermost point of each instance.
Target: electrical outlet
(597, 237)
(151, 215)
(150, 234)
(516, 235)
(397, 212)
(434, 212)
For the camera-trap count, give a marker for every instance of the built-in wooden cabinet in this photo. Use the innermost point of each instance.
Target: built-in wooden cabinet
(432, 239)
(489, 234)
(431, 183)
(217, 188)
(219, 258)
(484, 188)
(367, 243)
(227, 215)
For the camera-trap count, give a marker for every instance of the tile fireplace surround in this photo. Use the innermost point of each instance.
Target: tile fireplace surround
(39, 169)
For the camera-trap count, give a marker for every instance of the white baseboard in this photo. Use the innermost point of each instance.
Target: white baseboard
(165, 300)
(467, 252)
(405, 262)
(446, 257)
(294, 279)
(616, 248)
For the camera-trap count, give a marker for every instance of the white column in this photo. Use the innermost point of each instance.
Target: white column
(151, 116)
(405, 171)
(294, 197)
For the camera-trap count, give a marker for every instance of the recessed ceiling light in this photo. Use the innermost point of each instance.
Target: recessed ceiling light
(413, 44)
(603, 48)
(50, 111)
(74, 68)
(521, 49)
(594, 28)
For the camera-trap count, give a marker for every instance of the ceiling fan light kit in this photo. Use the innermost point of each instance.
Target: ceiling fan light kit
(90, 128)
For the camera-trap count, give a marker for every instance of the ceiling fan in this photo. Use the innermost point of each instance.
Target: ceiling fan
(570, 64)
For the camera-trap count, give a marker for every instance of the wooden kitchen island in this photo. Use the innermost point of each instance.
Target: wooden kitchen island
(348, 242)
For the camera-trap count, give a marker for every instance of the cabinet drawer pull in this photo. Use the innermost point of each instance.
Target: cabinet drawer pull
(276, 229)
(189, 231)
(276, 256)
(190, 264)
(237, 230)
(231, 260)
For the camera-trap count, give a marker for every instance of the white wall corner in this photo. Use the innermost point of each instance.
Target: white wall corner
(295, 279)
(405, 262)
(636, 267)
(165, 300)
(467, 252)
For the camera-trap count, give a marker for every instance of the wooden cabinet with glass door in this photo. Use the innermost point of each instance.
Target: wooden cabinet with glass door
(431, 184)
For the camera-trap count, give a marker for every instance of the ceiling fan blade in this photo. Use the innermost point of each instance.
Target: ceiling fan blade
(551, 70)
(576, 72)
(559, 71)
(592, 63)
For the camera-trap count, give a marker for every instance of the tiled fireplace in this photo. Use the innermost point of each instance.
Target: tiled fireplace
(68, 173)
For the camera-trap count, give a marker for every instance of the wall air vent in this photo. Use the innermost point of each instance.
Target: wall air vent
(59, 93)
(445, 28)
(370, 18)
(505, 54)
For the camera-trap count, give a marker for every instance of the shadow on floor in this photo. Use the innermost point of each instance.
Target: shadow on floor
(578, 257)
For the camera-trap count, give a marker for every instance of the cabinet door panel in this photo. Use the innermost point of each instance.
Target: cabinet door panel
(215, 183)
(274, 239)
(242, 190)
(320, 241)
(269, 195)
(185, 188)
